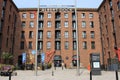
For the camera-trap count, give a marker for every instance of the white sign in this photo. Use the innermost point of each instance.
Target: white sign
(96, 64)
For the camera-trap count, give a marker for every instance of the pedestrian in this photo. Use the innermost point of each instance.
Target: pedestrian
(65, 66)
(32, 65)
(62, 65)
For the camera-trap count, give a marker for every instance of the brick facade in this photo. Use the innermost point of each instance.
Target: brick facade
(109, 13)
(9, 22)
(66, 54)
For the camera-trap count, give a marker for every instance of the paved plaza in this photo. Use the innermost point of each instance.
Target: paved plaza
(59, 74)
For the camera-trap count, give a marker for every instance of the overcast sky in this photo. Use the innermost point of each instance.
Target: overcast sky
(80, 3)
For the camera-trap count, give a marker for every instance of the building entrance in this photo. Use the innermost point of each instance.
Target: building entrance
(57, 61)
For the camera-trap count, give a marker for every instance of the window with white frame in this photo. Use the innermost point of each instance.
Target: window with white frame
(91, 15)
(49, 23)
(49, 34)
(84, 45)
(32, 15)
(24, 15)
(83, 24)
(66, 24)
(84, 34)
(66, 15)
(31, 24)
(48, 45)
(49, 15)
(66, 44)
(82, 15)
(66, 34)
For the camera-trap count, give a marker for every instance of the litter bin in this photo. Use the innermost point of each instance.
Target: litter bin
(95, 64)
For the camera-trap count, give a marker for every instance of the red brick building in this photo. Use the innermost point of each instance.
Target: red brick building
(56, 32)
(9, 24)
(109, 13)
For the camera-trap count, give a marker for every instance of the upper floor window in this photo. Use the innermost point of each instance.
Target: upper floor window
(92, 33)
(66, 34)
(57, 45)
(48, 45)
(24, 15)
(31, 24)
(30, 45)
(41, 15)
(93, 45)
(40, 24)
(23, 24)
(31, 15)
(91, 24)
(49, 23)
(4, 3)
(74, 45)
(91, 15)
(66, 24)
(66, 45)
(74, 34)
(73, 24)
(31, 34)
(49, 34)
(22, 34)
(3, 13)
(82, 15)
(66, 15)
(110, 3)
(0, 26)
(83, 24)
(49, 15)
(84, 45)
(84, 34)
(118, 5)
(22, 45)
(57, 15)
(40, 34)
(40, 45)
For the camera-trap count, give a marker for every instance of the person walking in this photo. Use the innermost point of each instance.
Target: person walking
(62, 65)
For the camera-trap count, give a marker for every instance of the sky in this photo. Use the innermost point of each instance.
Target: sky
(80, 3)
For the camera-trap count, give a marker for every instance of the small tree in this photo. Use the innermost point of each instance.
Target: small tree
(6, 57)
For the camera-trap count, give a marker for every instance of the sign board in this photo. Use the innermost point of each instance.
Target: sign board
(23, 57)
(33, 52)
(96, 64)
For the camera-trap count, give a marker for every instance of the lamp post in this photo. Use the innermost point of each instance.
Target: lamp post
(78, 65)
(37, 38)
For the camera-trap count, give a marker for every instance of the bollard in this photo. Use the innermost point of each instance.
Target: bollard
(90, 75)
(52, 73)
(9, 75)
(116, 73)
